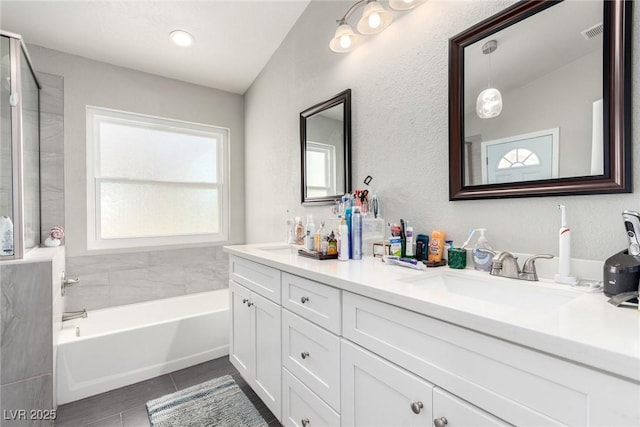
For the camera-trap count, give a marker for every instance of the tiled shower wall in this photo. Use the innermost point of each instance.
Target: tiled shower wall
(51, 152)
(117, 279)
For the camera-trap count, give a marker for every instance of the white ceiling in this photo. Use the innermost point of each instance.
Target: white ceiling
(234, 38)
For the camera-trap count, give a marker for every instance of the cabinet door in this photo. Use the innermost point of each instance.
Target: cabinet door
(267, 381)
(240, 353)
(454, 412)
(378, 393)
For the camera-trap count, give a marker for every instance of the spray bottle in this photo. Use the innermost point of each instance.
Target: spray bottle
(564, 252)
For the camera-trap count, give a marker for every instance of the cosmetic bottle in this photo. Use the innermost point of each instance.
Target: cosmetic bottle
(356, 231)
(343, 247)
(347, 215)
(299, 231)
(6, 236)
(409, 244)
(310, 230)
(436, 245)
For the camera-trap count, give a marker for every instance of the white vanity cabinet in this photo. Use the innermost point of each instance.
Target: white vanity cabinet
(376, 392)
(311, 324)
(254, 347)
(334, 352)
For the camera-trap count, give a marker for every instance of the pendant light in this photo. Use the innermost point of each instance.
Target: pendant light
(489, 102)
(375, 18)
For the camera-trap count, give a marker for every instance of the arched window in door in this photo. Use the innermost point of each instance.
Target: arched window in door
(518, 157)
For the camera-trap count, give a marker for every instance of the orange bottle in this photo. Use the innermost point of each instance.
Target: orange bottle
(436, 246)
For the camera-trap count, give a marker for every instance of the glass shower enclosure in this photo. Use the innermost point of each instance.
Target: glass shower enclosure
(19, 149)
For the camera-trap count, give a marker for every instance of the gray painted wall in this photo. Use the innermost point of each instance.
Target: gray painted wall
(399, 80)
(109, 278)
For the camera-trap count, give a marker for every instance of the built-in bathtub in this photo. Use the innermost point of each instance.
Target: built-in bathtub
(118, 346)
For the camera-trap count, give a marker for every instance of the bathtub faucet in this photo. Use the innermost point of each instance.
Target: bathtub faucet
(69, 315)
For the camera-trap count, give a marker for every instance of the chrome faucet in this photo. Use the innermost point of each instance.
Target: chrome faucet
(505, 264)
(69, 315)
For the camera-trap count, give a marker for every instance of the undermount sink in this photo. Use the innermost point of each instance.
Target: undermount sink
(510, 293)
(283, 249)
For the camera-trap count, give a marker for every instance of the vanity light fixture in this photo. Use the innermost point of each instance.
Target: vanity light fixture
(375, 18)
(489, 102)
(181, 38)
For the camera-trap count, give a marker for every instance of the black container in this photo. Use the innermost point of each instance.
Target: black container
(621, 273)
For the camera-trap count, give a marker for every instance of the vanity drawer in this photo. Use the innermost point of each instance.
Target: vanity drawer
(313, 355)
(257, 277)
(521, 386)
(302, 408)
(457, 412)
(312, 300)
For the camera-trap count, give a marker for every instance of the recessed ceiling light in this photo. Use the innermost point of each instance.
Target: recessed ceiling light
(181, 38)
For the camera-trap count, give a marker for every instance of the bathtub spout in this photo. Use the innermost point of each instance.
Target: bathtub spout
(69, 315)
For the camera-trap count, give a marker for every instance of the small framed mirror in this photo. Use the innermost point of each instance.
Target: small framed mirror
(325, 146)
(539, 101)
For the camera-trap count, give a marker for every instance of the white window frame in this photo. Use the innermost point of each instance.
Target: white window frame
(330, 166)
(97, 115)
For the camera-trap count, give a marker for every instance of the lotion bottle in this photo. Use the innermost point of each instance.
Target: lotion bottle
(343, 247)
(482, 260)
(6, 236)
(356, 228)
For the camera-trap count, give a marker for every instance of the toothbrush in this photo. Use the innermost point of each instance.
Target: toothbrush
(466, 242)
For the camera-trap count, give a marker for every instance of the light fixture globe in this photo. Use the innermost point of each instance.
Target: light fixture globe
(345, 39)
(404, 4)
(375, 18)
(489, 103)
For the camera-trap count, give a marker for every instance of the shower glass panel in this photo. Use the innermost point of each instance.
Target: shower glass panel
(19, 145)
(6, 183)
(30, 154)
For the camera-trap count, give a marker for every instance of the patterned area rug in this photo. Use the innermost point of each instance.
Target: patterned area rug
(218, 402)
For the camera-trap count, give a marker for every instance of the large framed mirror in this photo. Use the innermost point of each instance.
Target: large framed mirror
(325, 144)
(561, 124)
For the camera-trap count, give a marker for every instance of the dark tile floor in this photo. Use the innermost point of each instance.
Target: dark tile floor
(125, 407)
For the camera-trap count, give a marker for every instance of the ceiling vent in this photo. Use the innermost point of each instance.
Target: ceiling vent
(593, 32)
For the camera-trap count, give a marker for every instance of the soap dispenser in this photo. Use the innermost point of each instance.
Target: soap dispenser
(482, 260)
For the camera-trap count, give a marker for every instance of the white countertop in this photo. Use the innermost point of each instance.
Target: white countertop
(581, 327)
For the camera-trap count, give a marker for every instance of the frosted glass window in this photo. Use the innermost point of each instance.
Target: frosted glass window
(154, 181)
(320, 169)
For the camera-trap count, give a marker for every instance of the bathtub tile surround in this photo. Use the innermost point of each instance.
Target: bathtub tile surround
(118, 279)
(51, 152)
(124, 407)
(31, 310)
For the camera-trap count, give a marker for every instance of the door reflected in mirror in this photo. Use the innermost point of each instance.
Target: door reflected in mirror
(325, 141)
(563, 72)
(548, 69)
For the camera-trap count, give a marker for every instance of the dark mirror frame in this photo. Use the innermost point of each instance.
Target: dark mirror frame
(617, 108)
(341, 98)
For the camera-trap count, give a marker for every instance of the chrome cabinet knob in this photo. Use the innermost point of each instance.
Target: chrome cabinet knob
(245, 300)
(304, 354)
(416, 407)
(305, 422)
(249, 304)
(440, 422)
(304, 299)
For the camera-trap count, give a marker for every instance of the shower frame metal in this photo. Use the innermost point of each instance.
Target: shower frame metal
(17, 48)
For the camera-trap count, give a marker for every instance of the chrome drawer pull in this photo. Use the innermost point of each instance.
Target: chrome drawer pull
(416, 407)
(440, 422)
(305, 422)
(245, 300)
(249, 304)
(304, 354)
(304, 299)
